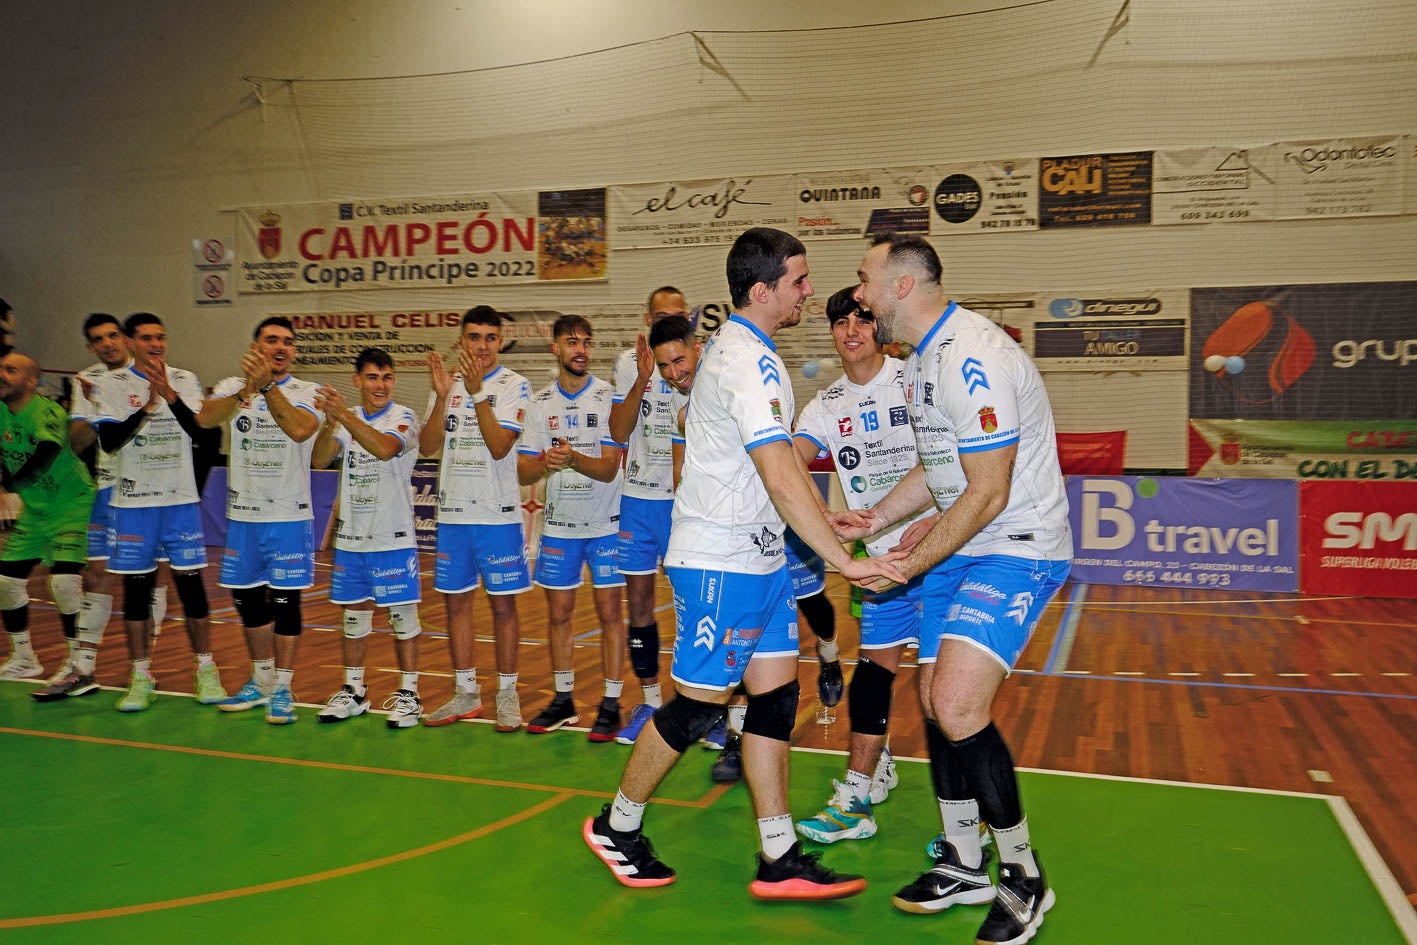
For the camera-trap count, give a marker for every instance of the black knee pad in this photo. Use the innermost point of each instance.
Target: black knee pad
(192, 594)
(138, 596)
(644, 651)
(253, 605)
(772, 714)
(285, 608)
(682, 721)
(869, 699)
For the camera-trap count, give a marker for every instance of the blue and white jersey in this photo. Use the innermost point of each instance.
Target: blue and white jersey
(724, 519)
(971, 388)
(474, 488)
(577, 506)
(649, 458)
(268, 476)
(85, 408)
(376, 496)
(865, 429)
(155, 466)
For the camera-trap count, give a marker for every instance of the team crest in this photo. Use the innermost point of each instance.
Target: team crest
(843, 426)
(553, 423)
(268, 234)
(776, 409)
(988, 421)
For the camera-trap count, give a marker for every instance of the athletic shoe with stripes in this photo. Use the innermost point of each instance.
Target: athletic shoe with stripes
(248, 696)
(844, 818)
(405, 708)
(639, 715)
(798, 875)
(1018, 908)
(344, 704)
(947, 883)
(69, 685)
(885, 780)
(21, 667)
(280, 710)
(630, 857)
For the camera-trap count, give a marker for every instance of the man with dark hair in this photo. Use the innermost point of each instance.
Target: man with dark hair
(991, 561)
(641, 418)
(37, 464)
(568, 443)
(376, 550)
(474, 417)
(145, 419)
(737, 618)
(270, 541)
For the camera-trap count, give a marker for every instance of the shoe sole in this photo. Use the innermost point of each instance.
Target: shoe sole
(600, 737)
(508, 728)
(619, 740)
(726, 778)
(341, 718)
(210, 700)
(973, 897)
(134, 708)
(16, 678)
(543, 729)
(588, 834)
(74, 693)
(435, 723)
(243, 707)
(801, 889)
(280, 720)
(401, 723)
(861, 831)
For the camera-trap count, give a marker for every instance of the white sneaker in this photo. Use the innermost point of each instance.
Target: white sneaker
(885, 779)
(344, 704)
(21, 667)
(405, 708)
(65, 668)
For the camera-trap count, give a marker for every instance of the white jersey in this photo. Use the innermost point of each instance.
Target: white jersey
(576, 505)
(375, 495)
(865, 429)
(971, 388)
(474, 488)
(155, 466)
(268, 479)
(742, 399)
(86, 408)
(649, 458)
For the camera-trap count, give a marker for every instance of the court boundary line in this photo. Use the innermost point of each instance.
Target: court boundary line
(1378, 871)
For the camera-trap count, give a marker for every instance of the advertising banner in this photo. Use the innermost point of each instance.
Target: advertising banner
(1107, 330)
(423, 242)
(1212, 533)
(699, 212)
(1095, 190)
(1339, 177)
(1305, 352)
(424, 487)
(1213, 185)
(1358, 538)
(847, 204)
(1290, 449)
(985, 197)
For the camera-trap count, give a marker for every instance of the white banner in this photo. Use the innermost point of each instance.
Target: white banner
(985, 197)
(699, 212)
(1340, 177)
(847, 204)
(1213, 185)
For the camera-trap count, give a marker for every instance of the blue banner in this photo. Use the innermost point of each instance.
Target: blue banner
(1240, 534)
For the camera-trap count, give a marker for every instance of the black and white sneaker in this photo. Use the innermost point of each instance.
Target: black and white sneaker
(629, 856)
(946, 884)
(560, 712)
(799, 875)
(1018, 908)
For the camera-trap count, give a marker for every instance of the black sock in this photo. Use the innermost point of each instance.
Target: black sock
(945, 772)
(820, 615)
(988, 770)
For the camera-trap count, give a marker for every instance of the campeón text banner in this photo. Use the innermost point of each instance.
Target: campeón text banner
(423, 242)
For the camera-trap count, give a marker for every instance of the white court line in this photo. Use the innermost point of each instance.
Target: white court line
(1378, 872)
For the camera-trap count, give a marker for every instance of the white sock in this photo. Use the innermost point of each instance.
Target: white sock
(143, 666)
(775, 836)
(564, 680)
(354, 679)
(859, 783)
(654, 697)
(827, 651)
(466, 679)
(506, 681)
(264, 672)
(85, 661)
(23, 649)
(1014, 847)
(961, 822)
(409, 681)
(736, 715)
(283, 678)
(625, 814)
(613, 688)
(204, 660)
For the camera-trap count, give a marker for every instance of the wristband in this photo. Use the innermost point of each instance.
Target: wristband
(267, 388)
(478, 397)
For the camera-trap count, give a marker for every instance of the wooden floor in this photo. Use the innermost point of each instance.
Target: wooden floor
(1281, 692)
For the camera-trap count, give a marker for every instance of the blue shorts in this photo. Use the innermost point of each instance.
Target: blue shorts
(386, 577)
(893, 618)
(644, 533)
(992, 602)
(558, 563)
(100, 525)
(725, 619)
(281, 554)
(143, 537)
(806, 567)
(493, 554)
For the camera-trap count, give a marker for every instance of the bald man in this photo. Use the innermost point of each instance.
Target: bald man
(37, 464)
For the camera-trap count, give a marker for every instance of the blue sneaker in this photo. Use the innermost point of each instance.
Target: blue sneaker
(247, 697)
(281, 708)
(717, 736)
(639, 715)
(845, 817)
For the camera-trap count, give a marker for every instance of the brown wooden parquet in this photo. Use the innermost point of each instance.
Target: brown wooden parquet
(1212, 687)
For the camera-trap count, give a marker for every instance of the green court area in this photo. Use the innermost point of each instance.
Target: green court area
(183, 824)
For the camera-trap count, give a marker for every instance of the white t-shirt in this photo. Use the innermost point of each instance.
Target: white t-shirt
(742, 399)
(971, 388)
(576, 505)
(474, 488)
(155, 466)
(866, 431)
(649, 459)
(84, 408)
(268, 476)
(376, 496)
